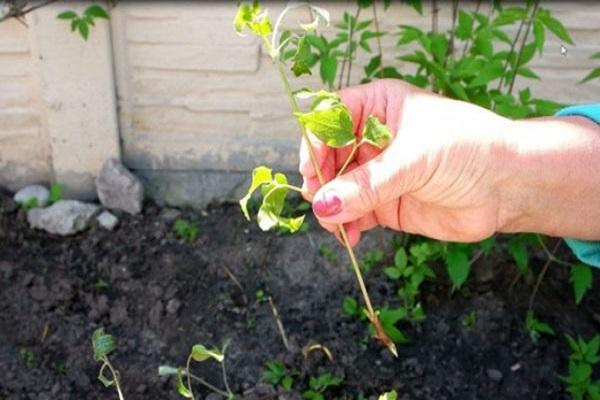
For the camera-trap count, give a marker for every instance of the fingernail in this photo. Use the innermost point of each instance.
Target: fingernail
(327, 204)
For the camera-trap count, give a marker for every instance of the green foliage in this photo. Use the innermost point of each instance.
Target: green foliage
(389, 396)
(389, 318)
(274, 189)
(277, 374)
(82, 23)
(250, 16)
(350, 307)
(201, 353)
(536, 328)
(371, 259)
(103, 344)
(469, 319)
(328, 253)
(375, 133)
(459, 267)
(319, 385)
(517, 247)
(581, 278)
(584, 355)
(55, 193)
(28, 357)
(595, 73)
(29, 204)
(186, 230)
(260, 296)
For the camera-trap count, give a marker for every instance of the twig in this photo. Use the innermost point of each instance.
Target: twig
(206, 384)
(19, 12)
(468, 41)
(434, 16)
(237, 283)
(542, 273)
(378, 38)
(349, 52)
(279, 324)
(317, 346)
(451, 44)
(550, 254)
(520, 54)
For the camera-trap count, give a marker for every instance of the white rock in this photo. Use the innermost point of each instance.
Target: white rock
(33, 191)
(107, 220)
(65, 217)
(119, 189)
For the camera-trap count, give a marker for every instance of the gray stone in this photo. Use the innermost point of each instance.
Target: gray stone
(38, 192)
(119, 189)
(494, 374)
(107, 220)
(173, 305)
(65, 217)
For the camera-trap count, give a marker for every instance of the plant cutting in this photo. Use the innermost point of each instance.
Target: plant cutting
(327, 119)
(104, 344)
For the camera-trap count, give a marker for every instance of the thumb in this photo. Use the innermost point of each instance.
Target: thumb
(362, 190)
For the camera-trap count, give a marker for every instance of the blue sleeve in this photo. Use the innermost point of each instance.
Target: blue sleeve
(586, 251)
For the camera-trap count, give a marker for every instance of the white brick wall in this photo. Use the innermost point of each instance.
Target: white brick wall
(193, 95)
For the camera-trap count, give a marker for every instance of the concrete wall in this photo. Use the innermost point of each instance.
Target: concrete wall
(198, 106)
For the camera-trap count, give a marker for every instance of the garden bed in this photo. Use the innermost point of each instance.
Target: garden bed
(159, 295)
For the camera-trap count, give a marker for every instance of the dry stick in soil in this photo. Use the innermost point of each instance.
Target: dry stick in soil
(237, 283)
(279, 324)
(543, 272)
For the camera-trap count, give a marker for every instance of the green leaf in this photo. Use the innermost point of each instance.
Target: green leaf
(166, 370)
(392, 273)
(287, 382)
(490, 72)
(96, 11)
(55, 193)
(333, 126)
(389, 396)
(302, 58)
(509, 16)
(416, 4)
(373, 65)
(554, 26)
(458, 267)
(181, 387)
(539, 35)
(201, 353)
(103, 344)
(69, 14)
(483, 44)
(595, 56)
(328, 69)
(439, 47)
(527, 73)
(527, 53)
(261, 175)
(518, 250)
(400, 258)
(375, 133)
(84, 30)
(74, 24)
(464, 29)
(408, 34)
(592, 75)
(350, 306)
(581, 278)
(524, 95)
(244, 16)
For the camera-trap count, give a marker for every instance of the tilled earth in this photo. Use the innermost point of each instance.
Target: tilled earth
(159, 295)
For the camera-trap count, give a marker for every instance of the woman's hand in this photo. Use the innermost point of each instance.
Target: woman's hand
(452, 171)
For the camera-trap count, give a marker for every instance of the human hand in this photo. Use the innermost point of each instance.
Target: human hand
(441, 175)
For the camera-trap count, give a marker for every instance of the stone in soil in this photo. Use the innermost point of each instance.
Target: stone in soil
(107, 220)
(65, 217)
(38, 192)
(119, 189)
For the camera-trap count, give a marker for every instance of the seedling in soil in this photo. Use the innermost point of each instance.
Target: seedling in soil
(389, 396)
(185, 230)
(260, 296)
(55, 193)
(101, 284)
(27, 356)
(327, 119)
(199, 353)
(29, 204)
(104, 344)
(469, 320)
(350, 307)
(537, 328)
(584, 355)
(319, 385)
(277, 374)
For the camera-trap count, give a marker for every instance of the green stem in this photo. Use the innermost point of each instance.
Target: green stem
(115, 375)
(187, 372)
(225, 382)
(208, 385)
(355, 146)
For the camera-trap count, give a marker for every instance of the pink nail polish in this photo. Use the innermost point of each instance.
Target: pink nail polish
(327, 204)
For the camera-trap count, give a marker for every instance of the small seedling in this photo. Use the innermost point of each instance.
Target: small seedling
(277, 374)
(319, 385)
(350, 307)
(328, 253)
(328, 119)
(389, 318)
(55, 193)
(371, 259)
(101, 284)
(537, 328)
(469, 320)
(581, 278)
(199, 353)
(584, 355)
(260, 296)
(389, 396)
(29, 204)
(27, 356)
(186, 230)
(104, 344)
(83, 22)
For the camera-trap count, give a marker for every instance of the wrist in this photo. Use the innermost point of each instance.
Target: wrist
(552, 185)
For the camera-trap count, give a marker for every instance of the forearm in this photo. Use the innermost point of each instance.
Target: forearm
(553, 184)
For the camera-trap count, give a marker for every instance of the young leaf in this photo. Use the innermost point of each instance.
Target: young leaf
(350, 306)
(581, 278)
(416, 4)
(518, 250)
(490, 72)
(96, 11)
(201, 353)
(375, 133)
(55, 193)
(555, 26)
(244, 16)
(69, 14)
(181, 387)
(103, 344)
(392, 272)
(333, 126)
(269, 214)
(464, 28)
(458, 267)
(260, 176)
(302, 58)
(328, 69)
(389, 396)
(592, 75)
(84, 30)
(400, 259)
(439, 47)
(539, 35)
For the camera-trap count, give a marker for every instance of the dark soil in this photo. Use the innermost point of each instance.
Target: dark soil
(159, 295)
